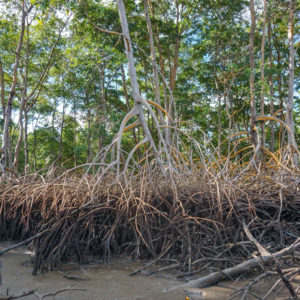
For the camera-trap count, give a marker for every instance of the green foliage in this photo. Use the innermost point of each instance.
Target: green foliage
(81, 102)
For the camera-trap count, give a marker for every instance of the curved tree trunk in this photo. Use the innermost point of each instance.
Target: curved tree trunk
(138, 100)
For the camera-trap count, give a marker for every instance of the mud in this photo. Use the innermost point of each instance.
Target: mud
(109, 281)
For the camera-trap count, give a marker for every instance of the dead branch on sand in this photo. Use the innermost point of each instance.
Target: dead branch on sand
(240, 268)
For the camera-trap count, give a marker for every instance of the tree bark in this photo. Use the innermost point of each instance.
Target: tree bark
(26, 141)
(53, 116)
(262, 73)
(60, 149)
(279, 76)
(22, 106)
(101, 109)
(154, 67)
(89, 148)
(290, 104)
(138, 100)
(272, 141)
(135, 135)
(34, 150)
(219, 124)
(75, 136)
(161, 64)
(253, 129)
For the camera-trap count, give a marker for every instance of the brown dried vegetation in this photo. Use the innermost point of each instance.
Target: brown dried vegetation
(195, 217)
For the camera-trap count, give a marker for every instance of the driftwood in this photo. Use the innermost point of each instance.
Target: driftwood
(14, 246)
(243, 267)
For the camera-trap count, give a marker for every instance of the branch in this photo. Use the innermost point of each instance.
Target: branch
(97, 27)
(23, 242)
(46, 68)
(236, 270)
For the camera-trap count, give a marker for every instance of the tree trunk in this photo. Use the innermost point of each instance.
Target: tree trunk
(26, 141)
(101, 109)
(89, 149)
(22, 106)
(137, 97)
(272, 141)
(9, 151)
(60, 149)
(8, 108)
(154, 66)
(262, 73)
(135, 136)
(253, 129)
(2, 95)
(53, 115)
(226, 102)
(219, 124)
(279, 66)
(34, 150)
(290, 104)
(75, 137)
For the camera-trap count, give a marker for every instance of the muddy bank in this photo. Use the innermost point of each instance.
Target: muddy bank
(102, 281)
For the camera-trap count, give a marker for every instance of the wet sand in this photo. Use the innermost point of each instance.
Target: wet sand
(109, 281)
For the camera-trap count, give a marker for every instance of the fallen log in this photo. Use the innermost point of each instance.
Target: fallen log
(243, 267)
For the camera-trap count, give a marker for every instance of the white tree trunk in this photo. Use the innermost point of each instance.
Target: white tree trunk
(138, 100)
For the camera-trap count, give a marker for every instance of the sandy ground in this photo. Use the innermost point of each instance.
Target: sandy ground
(109, 281)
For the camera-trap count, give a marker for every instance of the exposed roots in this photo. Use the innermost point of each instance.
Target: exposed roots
(199, 223)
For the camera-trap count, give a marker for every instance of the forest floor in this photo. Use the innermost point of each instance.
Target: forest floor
(109, 281)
